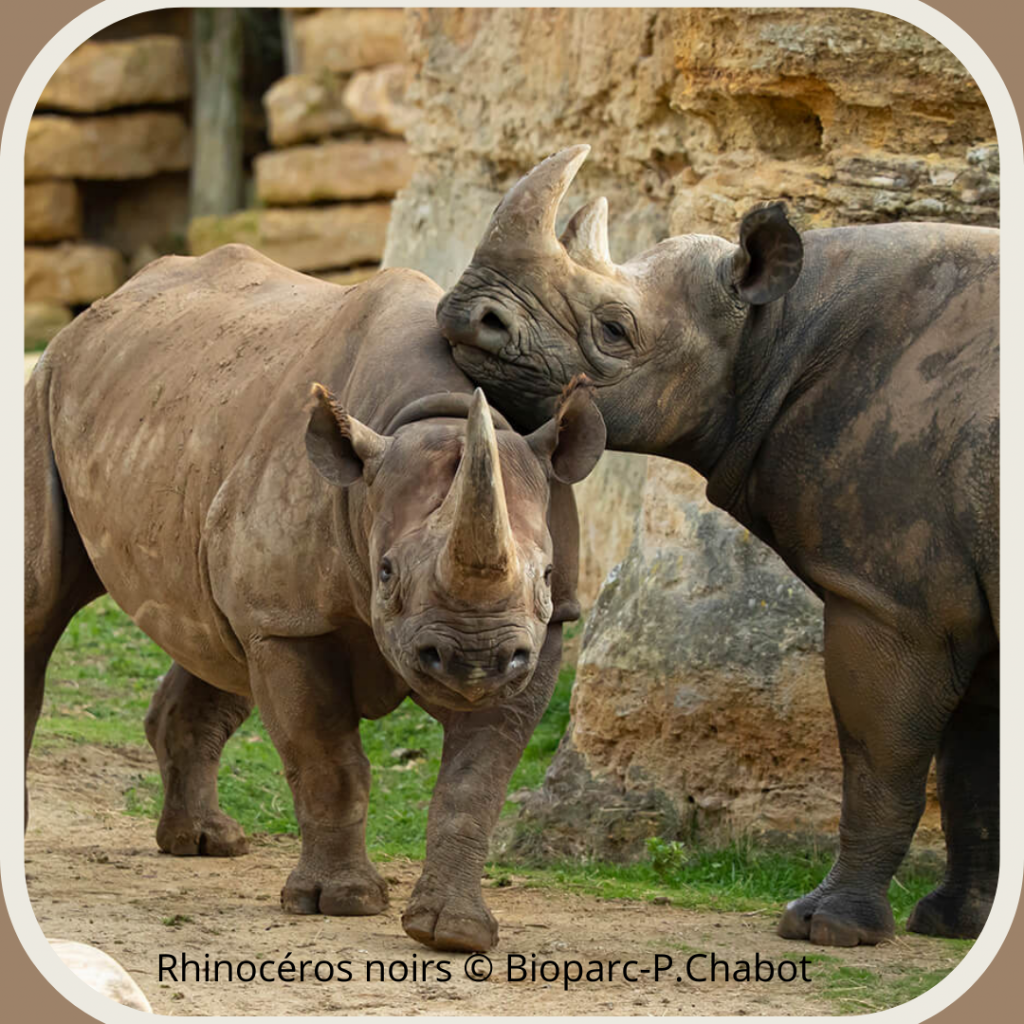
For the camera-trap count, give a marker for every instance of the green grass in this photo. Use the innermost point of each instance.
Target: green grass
(860, 990)
(104, 672)
(739, 877)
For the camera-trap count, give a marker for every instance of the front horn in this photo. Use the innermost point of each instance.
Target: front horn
(525, 218)
(480, 542)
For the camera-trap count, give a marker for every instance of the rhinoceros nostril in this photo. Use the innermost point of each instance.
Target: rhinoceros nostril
(519, 660)
(493, 322)
(430, 659)
(492, 330)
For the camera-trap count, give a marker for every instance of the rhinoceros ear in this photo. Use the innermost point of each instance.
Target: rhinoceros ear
(574, 438)
(769, 258)
(341, 448)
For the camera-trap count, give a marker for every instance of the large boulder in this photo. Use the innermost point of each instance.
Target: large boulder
(700, 705)
(345, 40)
(71, 273)
(53, 211)
(608, 501)
(346, 169)
(101, 76)
(320, 238)
(701, 672)
(111, 148)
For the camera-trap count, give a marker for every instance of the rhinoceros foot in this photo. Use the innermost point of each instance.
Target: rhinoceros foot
(213, 835)
(950, 915)
(838, 918)
(349, 892)
(449, 920)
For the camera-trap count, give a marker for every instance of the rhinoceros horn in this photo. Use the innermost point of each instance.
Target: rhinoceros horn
(525, 218)
(479, 542)
(586, 236)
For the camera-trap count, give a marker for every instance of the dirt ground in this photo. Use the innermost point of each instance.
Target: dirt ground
(95, 875)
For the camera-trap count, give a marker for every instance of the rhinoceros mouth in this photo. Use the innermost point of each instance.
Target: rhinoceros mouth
(437, 693)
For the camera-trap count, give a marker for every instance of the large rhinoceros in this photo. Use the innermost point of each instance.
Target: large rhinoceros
(840, 394)
(324, 557)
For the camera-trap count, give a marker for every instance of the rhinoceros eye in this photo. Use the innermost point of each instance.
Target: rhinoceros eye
(547, 574)
(387, 570)
(613, 331)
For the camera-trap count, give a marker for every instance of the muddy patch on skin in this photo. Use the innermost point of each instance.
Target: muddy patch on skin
(95, 875)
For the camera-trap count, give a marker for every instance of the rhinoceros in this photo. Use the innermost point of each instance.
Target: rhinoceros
(323, 555)
(839, 392)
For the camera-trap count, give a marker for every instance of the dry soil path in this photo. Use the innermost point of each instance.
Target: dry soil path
(95, 875)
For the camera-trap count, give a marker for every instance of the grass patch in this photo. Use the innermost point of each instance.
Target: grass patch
(739, 877)
(861, 990)
(99, 685)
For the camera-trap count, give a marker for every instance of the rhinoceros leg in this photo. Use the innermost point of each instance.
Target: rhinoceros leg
(968, 770)
(303, 694)
(481, 750)
(892, 695)
(187, 725)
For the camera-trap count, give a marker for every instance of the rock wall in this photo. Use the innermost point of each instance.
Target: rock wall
(114, 113)
(335, 122)
(109, 152)
(700, 703)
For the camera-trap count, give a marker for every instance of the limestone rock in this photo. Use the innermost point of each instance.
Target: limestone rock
(344, 40)
(608, 502)
(304, 107)
(42, 321)
(734, 641)
(356, 169)
(320, 238)
(376, 98)
(436, 224)
(700, 695)
(125, 73)
(71, 273)
(694, 115)
(53, 211)
(111, 148)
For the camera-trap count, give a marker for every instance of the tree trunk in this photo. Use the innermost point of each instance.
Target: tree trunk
(217, 164)
(289, 45)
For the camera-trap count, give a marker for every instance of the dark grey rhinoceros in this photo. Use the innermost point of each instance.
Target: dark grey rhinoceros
(322, 557)
(839, 392)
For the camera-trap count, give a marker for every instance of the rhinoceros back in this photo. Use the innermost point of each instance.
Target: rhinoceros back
(196, 369)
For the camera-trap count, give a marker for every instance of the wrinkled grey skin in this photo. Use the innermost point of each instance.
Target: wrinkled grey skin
(840, 394)
(323, 556)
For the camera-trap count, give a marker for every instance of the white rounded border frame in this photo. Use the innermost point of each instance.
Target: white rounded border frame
(12, 150)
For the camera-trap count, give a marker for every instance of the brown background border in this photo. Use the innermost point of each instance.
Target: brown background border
(997, 28)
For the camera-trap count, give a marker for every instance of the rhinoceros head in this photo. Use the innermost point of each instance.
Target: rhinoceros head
(458, 545)
(656, 335)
